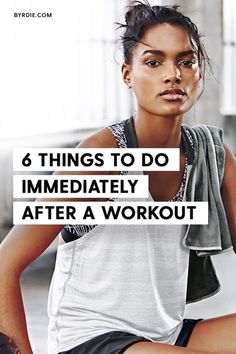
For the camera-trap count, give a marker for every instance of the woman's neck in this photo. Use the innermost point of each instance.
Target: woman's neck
(157, 132)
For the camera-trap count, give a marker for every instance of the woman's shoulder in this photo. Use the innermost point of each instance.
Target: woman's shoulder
(100, 139)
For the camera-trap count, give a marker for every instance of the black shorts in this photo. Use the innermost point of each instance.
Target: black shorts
(117, 342)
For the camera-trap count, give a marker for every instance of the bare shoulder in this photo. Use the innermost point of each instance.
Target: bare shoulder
(101, 139)
(229, 192)
(229, 153)
(230, 163)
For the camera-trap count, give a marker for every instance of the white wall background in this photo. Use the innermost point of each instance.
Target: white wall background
(59, 73)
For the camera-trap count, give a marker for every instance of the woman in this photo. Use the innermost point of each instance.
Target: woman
(124, 290)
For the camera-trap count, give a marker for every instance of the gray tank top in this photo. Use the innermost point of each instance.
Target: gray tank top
(129, 278)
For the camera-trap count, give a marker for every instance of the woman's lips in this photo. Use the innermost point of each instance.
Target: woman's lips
(173, 94)
(172, 97)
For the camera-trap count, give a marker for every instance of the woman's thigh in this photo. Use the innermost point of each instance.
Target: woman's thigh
(160, 348)
(215, 335)
(212, 336)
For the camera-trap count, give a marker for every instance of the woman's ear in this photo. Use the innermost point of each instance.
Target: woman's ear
(126, 68)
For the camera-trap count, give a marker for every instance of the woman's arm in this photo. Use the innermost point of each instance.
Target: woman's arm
(22, 245)
(229, 193)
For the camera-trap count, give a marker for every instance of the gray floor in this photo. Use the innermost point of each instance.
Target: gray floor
(36, 280)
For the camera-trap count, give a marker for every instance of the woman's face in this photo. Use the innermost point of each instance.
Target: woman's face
(164, 73)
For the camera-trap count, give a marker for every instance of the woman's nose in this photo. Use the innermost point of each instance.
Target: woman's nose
(172, 74)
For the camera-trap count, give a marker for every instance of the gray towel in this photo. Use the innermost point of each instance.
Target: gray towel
(204, 185)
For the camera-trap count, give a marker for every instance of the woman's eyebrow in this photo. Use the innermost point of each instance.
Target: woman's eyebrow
(162, 54)
(186, 53)
(154, 51)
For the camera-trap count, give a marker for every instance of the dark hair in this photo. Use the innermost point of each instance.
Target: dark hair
(141, 16)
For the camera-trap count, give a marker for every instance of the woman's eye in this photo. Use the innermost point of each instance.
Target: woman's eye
(187, 63)
(153, 63)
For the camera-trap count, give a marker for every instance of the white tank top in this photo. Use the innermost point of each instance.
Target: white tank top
(125, 278)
